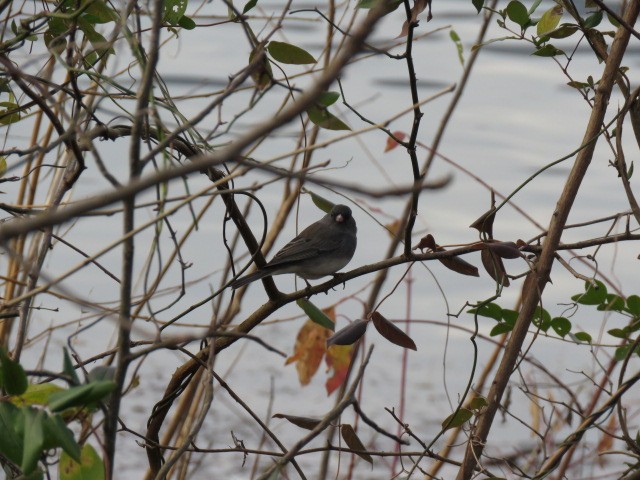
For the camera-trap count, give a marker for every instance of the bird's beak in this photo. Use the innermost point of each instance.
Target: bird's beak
(339, 218)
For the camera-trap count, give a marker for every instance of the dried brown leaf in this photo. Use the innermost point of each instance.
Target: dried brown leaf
(426, 242)
(494, 267)
(392, 333)
(353, 442)
(302, 422)
(417, 9)
(504, 249)
(459, 265)
(484, 223)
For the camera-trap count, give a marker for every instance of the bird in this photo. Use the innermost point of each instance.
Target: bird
(321, 249)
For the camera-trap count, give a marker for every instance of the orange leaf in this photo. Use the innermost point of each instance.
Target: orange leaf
(391, 143)
(309, 349)
(338, 358)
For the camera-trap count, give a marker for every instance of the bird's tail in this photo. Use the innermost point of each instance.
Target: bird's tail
(252, 277)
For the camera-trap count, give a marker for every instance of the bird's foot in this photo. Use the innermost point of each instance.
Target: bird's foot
(340, 276)
(308, 288)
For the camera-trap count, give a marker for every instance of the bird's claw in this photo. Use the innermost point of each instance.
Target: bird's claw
(338, 276)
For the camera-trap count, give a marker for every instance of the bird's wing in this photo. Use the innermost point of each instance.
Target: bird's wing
(308, 244)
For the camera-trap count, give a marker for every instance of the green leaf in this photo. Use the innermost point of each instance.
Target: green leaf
(478, 4)
(90, 466)
(102, 372)
(593, 295)
(367, 4)
(518, 13)
(57, 434)
(98, 42)
(12, 376)
(36, 394)
(633, 305)
(491, 310)
(500, 329)
(582, 337)
(81, 396)
(67, 367)
(618, 333)
(593, 20)
(458, 43)
(541, 319)
(457, 419)
(289, 54)
(99, 12)
(327, 99)
(621, 353)
(3, 166)
(322, 203)
(630, 171)
(561, 326)
(613, 302)
(55, 43)
(33, 438)
(578, 85)
(509, 316)
(563, 31)
(548, 51)
(249, 5)
(187, 23)
(549, 20)
(315, 314)
(322, 118)
(13, 116)
(174, 10)
(10, 440)
(478, 403)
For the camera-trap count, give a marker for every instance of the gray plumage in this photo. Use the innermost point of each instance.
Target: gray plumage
(321, 249)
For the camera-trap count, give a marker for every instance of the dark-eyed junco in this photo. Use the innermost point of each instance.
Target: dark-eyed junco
(321, 249)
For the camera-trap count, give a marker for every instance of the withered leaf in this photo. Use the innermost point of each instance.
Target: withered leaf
(309, 350)
(426, 242)
(460, 266)
(349, 334)
(353, 442)
(302, 422)
(392, 333)
(262, 75)
(391, 143)
(504, 249)
(338, 360)
(418, 8)
(494, 267)
(484, 224)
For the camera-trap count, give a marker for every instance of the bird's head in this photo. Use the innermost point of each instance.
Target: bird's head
(340, 213)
